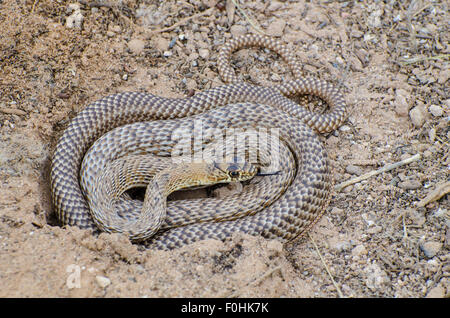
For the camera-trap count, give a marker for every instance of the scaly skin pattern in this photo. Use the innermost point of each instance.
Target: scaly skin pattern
(233, 105)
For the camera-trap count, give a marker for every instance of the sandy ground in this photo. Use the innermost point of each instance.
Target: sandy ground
(391, 60)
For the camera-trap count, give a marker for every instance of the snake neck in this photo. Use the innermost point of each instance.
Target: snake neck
(182, 176)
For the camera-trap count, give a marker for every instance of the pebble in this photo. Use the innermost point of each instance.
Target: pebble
(359, 250)
(418, 116)
(401, 102)
(410, 184)
(75, 20)
(344, 128)
(417, 218)
(237, 30)
(162, 44)
(204, 53)
(276, 28)
(351, 169)
(167, 53)
(374, 20)
(430, 248)
(432, 134)
(436, 110)
(274, 5)
(375, 229)
(436, 292)
(102, 281)
(172, 42)
(376, 278)
(136, 46)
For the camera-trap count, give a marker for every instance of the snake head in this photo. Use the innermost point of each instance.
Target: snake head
(234, 171)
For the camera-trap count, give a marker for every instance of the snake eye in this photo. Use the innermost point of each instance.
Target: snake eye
(234, 174)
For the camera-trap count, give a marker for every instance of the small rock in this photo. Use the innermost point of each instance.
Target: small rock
(344, 128)
(237, 30)
(274, 5)
(418, 116)
(356, 34)
(410, 184)
(162, 44)
(167, 53)
(417, 218)
(436, 292)
(116, 29)
(102, 281)
(204, 53)
(376, 278)
(276, 28)
(351, 169)
(432, 134)
(136, 46)
(401, 103)
(342, 246)
(436, 110)
(374, 19)
(75, 20)
(275, 77)
(359, 250)
(375, 229)
(431, 248)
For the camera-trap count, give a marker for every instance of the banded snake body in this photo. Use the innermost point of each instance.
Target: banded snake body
(133, 123)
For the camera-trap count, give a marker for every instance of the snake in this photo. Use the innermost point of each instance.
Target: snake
(135, 123)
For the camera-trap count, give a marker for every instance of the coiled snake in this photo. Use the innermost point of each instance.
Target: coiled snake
(135, 123)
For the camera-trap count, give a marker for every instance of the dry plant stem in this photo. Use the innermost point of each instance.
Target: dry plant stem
(326, 267)
(441, 190)
(425, 58)
(12, 111)
(181, 22)
(141, 29)
(365, 176)
(246, 17)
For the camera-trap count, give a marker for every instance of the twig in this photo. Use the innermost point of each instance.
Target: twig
(405, 232)
(246, 17)
(365, 176)
(181, 22)
(326, 268)
(441, 190)
(141, 29)
(94, 4)
(424, 58)
(12, 111)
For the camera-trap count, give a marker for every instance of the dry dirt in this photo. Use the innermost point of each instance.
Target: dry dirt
(391, 60)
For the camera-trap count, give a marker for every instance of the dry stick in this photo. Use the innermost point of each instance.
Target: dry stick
(246, 17)
(365, 176)
(326, 267)
(181, 22)
(440, 190)
(424, 58)
(145, 31)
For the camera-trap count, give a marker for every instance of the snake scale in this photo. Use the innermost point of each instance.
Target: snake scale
(125, 122)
